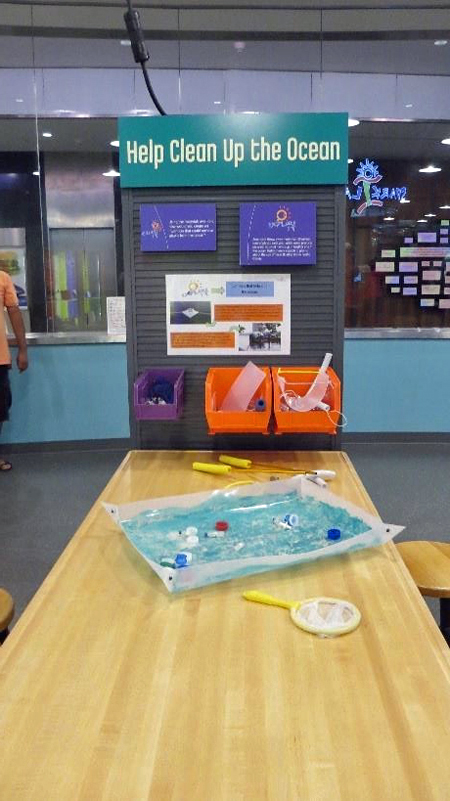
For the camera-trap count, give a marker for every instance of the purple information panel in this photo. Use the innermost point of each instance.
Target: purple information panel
(178, 226)
(277, 233)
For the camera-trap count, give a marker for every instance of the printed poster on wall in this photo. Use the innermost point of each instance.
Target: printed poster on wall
(228, 315)
(178, 226)
(277, 233)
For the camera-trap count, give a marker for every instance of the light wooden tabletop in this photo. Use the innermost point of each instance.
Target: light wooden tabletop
(113, 690)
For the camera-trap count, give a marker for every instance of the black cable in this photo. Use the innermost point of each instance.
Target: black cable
(139, 48)
(151, 92)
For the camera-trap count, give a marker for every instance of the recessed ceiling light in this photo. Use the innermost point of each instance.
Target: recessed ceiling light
(430, 214)
(217, 102)
(441, 42)
(445, 141)
(125, 43)
(408, 105)
(388, 219)
(422, 221)
(64, 111)
(403, 200)
(36, 172)
(250, 112)
(430, 168)
(115, 143)
(239, 46)
(447, 206)
(142, 111)
(19, 99)
(352, 122)
(350, 161)
(111, 174)
(47, 134)
(82, 116)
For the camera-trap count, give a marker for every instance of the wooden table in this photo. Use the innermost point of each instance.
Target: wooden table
(112, 689)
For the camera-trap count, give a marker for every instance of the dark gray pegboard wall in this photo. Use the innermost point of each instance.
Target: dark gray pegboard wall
(317, 307)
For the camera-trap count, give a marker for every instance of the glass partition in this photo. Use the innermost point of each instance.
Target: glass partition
(60, 210)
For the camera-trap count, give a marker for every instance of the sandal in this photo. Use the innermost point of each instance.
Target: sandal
(5, 466)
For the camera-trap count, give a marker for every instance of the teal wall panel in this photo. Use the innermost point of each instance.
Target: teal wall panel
(77, 392)
(397, 385)
(70, 392)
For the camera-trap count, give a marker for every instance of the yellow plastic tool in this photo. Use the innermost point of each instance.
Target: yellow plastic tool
(216, 469)
(247, 464)
(234, 461)
(326, 617)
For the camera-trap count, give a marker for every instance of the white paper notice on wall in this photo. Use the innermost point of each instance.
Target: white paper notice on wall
(410, 290)
(431, 289)
(408, 266)
(431, 275)
(424, 302)
(395, 290)
(384, 266)
(411, 279)
(444, 303)
(392, 279)
(115, 315)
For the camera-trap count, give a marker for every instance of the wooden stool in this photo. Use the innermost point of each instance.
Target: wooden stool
(429, 565)
(6, 613)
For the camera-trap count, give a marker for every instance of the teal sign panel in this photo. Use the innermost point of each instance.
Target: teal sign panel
(233, 150)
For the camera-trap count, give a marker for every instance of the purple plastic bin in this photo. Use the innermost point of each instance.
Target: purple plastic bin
(168, 411)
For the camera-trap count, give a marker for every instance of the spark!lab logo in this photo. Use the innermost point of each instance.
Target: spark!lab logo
(195, 289)
(367, 178)
(283, 219)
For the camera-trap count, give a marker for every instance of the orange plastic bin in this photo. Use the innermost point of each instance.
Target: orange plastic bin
(218, 382)
(299, 379)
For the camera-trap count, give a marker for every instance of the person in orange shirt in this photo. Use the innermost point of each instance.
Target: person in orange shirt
(8, 300)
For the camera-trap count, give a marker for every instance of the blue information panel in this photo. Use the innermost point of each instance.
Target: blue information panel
(277, 233)
(178, 226)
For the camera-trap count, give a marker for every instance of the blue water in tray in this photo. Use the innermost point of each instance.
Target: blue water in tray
(251, 533)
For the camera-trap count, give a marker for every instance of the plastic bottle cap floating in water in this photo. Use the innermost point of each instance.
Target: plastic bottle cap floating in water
(291, 520)
(334, 533)
(326, 617)
(183, 559)
(222, 525)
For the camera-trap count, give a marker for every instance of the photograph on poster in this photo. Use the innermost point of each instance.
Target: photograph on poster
(178, 227)
(190, 313)
(282, 233)
(219, 314)
(259, 337)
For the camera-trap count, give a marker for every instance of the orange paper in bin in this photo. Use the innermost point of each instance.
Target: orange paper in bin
(217, 385)
(299, 380)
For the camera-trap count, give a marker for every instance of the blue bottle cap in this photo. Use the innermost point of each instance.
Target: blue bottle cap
(334, 533)
(181, 560)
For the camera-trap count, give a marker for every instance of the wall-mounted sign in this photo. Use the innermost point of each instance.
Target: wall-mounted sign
(277, 233)
(178, 226)
(367, 190)
(233, 149)
(228, 315)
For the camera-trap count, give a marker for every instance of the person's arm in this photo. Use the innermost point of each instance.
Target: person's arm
(15, 315)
